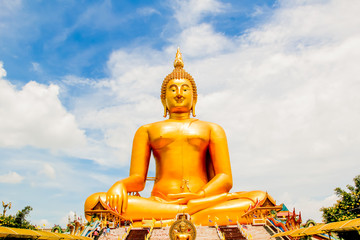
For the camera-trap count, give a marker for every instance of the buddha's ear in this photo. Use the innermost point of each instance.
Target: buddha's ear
(193, 108)
(165, 108)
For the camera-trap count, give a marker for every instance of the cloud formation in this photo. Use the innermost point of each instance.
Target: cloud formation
(48, 171)
(34, 116)
(2, 70)
(191, 12)
(11, 177)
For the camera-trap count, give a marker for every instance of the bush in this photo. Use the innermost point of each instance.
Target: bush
(346, 208)
(17, 221)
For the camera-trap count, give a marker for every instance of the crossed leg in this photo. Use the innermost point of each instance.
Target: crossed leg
(222, 206)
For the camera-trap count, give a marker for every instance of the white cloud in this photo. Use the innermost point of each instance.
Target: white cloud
(2, 70)
(48, 171)
(131, 92)
(296, 24)
(201, 40)
(190, 12)
(34, 116)
(72, 80)
(147, 11)
(11, 177)
(36, 67)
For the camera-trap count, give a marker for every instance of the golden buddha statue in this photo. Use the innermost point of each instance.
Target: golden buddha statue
(193, 172)
(182, 234)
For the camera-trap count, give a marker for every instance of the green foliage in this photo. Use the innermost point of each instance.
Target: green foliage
(17, 221)
(346, 208)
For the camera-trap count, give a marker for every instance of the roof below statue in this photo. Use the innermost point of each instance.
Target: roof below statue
(178, 63)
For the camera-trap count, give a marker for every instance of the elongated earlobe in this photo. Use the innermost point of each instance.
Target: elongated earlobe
(165, 108)
(193, 108)
(193, 111)
(165, 111)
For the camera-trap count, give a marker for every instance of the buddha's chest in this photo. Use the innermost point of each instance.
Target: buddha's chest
(179, 135)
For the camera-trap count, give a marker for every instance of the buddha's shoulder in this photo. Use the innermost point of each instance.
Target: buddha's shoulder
(212, 126)
(150, 126)
(193, 121)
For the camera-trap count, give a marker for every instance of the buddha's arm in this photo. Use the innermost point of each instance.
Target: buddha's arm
(140, 158)
(219, 154)
(117, 194)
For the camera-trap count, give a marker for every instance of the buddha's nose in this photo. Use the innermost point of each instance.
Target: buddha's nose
(179, 96)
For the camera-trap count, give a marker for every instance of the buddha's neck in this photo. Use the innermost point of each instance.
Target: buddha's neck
(179, 116)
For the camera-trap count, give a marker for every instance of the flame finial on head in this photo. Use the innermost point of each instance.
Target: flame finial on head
(178, 63)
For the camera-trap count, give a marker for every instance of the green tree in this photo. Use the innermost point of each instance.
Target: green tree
(346, 208)
(17, 221)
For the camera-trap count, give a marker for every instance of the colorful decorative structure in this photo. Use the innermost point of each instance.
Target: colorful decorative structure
(193, 172)
(258, 213)
(104, 213)
(75, 227)
(284, 220)
(293, 221)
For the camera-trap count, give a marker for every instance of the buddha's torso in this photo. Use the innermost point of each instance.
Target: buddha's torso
(182, 236)
(179, 148)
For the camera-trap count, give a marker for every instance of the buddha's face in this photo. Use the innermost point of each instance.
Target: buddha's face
(182, 227)
(179, 96)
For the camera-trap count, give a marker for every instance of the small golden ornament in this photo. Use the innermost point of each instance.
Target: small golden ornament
(182, 229)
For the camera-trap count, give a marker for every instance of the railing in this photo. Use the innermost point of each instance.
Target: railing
(220, 234)
(274, 229)
(127, 233)
(147, 237)
(271, 226)
(243, 231)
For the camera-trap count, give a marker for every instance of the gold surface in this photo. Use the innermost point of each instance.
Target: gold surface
(348, 225)
(193, 172)
(182, 230)
(6, 232)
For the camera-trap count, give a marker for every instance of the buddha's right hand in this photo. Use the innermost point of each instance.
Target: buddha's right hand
(116, 197)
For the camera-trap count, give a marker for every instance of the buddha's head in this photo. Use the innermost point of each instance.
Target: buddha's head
(182, 227)
(178, 90)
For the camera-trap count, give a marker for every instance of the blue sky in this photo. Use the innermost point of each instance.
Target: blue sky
(76, 37)
(77, 78)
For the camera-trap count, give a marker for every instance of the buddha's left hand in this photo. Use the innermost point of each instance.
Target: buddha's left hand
(183, 198)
